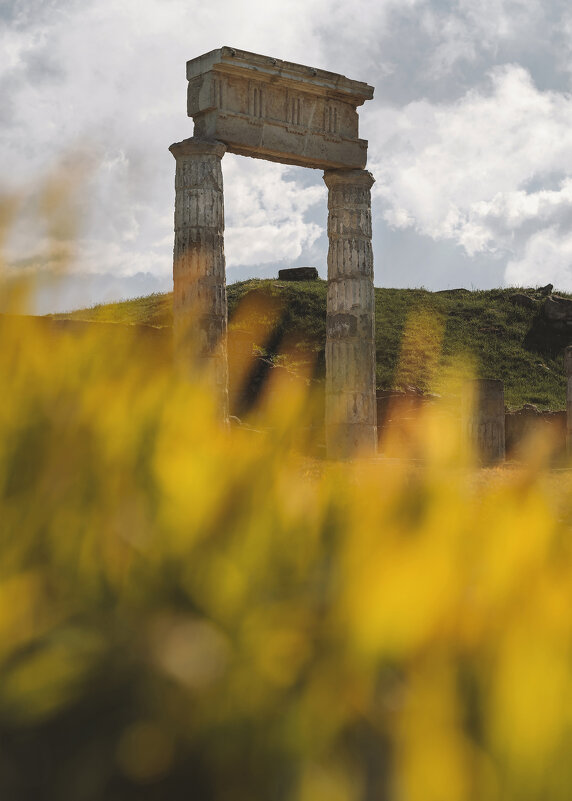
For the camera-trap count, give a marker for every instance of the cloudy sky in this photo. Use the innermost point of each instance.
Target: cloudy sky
(470, 139)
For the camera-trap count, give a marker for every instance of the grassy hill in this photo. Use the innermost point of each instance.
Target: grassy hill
(418, 333)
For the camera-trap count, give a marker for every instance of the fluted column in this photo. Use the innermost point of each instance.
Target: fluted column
(484, 415)
(568, 367)
(199, 299)
(350, 327)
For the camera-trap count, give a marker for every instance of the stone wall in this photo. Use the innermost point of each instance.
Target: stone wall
(524, 423)
(397, 407)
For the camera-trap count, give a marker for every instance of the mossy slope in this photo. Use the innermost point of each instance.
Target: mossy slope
(417, 333)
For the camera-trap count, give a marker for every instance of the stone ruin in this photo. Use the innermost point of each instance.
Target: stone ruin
(568, 367)
(258, 106)
(485, 418)
(262, 107)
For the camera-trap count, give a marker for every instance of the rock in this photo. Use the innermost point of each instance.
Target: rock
(558, 310)
(298, 274)
(519, 299)
(568, 361)
(528, 408)
(546, 290)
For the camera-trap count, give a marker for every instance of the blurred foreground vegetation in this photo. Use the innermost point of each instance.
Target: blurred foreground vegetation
(188, 611)
(498, 338)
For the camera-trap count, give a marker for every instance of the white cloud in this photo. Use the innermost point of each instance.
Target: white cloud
(459, 170)
(547, 258)
(487, 23)
(268, 243)
(564, 52)
(463, 32)
(512, 210)
(106, 81)
(266, 212)
(456, 157)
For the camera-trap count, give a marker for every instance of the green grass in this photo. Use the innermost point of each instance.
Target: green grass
(155, 310)
(483, 328)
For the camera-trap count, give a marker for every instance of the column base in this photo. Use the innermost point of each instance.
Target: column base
(351, 440)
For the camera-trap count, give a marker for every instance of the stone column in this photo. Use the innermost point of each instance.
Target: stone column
(350, 327)
(199, 298)
(568, 366)
(485, 419)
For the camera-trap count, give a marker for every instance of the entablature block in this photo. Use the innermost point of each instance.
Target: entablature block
(277, 110)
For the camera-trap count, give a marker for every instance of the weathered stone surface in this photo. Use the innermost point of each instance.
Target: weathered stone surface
(568, 360)
(525, 422)
(351, 411)
(558, 310)
(277, 110)
(344, 324)
(298, 274)
(520, 299)
(568, 368)
(199, 297)
(484, 415)
(397, 405)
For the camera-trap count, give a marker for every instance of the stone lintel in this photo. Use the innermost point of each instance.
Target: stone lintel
(276, 110)
(232, 61)
(337, 154)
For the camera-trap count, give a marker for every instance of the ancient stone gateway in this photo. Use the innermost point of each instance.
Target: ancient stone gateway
(258, 106)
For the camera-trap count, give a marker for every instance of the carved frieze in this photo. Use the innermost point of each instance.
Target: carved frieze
(277, 110)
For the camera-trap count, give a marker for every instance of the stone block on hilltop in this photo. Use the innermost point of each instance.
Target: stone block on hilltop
(558, 310)
(298, 274)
